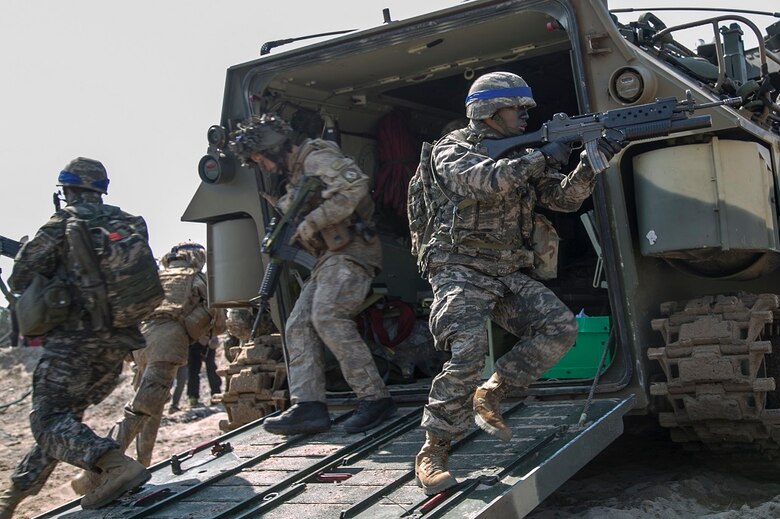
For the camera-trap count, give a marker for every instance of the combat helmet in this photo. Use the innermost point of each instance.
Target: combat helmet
(497, 90)
(191, 253)
(83, 173)
(268, 134)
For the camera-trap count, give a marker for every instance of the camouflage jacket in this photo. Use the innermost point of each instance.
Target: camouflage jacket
(487, 219)
(344, 196)
(45, 254)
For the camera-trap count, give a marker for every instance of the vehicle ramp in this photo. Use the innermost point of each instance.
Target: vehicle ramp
(251, 473)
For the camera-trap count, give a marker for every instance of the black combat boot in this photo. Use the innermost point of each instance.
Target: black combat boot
(369, 414)
(302, 418)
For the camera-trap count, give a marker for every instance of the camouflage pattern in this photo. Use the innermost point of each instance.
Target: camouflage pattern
(478, 109)
(478, 263)
(486, 220)
(339, 282)
(344, 195)
(45, 255)
(239, 323)
(75, 371)
(322, 317)
(167, 346)
(84, 173)
(153, 383)
(182, 286)
(77, 368)
(464, 299)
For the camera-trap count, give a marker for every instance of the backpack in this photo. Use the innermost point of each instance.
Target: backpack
(179, 303)
(111, 266)
(420, 205)
(425, 198)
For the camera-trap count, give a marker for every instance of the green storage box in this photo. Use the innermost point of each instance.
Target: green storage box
(583, 358)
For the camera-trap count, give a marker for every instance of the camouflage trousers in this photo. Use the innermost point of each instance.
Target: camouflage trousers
(322, 317)
(464, 300)
(71, 375)
(143, 414)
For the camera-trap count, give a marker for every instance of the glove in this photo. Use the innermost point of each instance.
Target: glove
(557, 153)
(307, 234)
(609, 147)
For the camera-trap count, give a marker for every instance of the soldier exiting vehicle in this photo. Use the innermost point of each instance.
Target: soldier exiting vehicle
(82, 356)
(480, 261)
(346, 264)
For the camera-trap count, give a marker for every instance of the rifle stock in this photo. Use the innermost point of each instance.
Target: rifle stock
(662, 117)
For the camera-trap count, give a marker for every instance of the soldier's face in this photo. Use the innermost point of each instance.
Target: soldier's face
(514, 118)
(264, 162)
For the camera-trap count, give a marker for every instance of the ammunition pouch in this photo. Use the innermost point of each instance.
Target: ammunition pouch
(544, 243)
(337, 236)
(44, 305)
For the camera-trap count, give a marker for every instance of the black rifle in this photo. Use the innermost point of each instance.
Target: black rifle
(276, 244)
(662, 117)
(9, 247)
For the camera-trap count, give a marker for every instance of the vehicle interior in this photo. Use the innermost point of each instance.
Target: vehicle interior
(382, 113)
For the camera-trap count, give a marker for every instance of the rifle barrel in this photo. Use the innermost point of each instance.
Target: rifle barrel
(9, 247)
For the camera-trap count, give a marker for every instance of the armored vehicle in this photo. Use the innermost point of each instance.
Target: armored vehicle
(671, 266)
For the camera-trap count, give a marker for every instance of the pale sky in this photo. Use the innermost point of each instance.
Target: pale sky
(137, 84)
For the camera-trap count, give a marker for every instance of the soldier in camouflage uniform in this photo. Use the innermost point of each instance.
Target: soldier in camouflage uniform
(78, 367)
(339, 282)
(167, 338)
(479, 261)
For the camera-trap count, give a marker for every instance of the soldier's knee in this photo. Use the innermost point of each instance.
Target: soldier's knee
(568, 328)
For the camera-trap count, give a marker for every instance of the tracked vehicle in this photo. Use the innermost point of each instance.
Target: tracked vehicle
(672, 265)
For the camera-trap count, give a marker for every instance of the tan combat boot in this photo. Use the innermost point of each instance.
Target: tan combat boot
(430, 466)
(9, 500)
(123, 432)
(487, 406)
(121, 474)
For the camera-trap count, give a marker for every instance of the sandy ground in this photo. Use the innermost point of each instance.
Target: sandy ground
(641, 476)
(178, 432)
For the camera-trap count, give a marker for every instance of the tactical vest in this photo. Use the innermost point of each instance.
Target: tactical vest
(179, 299)
(465, 222)
(364, 212)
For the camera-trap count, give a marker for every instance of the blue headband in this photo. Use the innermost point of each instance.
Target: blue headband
(500, 92)
(68, 178)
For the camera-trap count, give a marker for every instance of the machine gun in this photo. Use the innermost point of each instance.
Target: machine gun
(276, 244)
(664, 116)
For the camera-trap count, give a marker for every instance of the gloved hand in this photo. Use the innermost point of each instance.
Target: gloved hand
(557, 153)
(610, 147)
(307, 234)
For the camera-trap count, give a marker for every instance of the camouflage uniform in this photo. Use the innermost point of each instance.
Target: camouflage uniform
(78, 368)
(476, 263)
(339, 283)
(167, 349)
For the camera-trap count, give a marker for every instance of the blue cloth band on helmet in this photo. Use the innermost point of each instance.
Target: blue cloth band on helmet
(66, 177)
(500, 92)
(100, 184)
